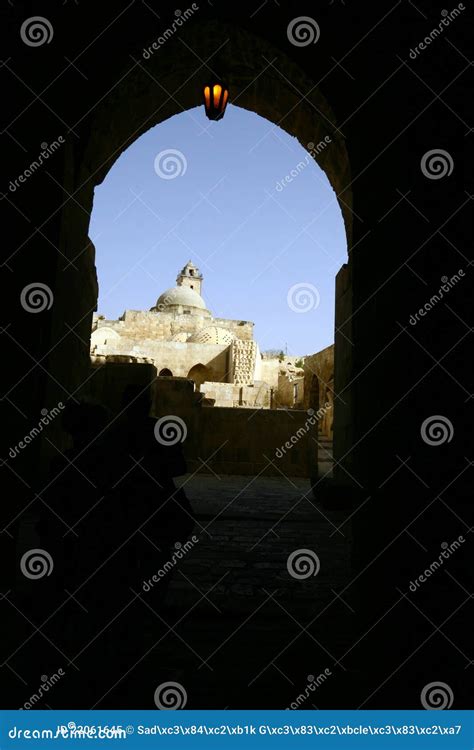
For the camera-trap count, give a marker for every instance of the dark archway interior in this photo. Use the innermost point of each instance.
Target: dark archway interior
(199, 373)
(396, 498)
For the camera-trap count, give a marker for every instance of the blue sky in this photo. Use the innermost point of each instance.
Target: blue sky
(268, 253)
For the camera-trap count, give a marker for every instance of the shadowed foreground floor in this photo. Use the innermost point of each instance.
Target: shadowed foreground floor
(237, 630)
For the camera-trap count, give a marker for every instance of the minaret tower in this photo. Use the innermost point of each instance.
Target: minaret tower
(191, 277)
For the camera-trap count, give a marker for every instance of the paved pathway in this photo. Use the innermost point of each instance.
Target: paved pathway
(247, 633)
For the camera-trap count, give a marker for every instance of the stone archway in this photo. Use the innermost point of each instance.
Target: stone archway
(162, 86)
(165, 373)
(199, 373)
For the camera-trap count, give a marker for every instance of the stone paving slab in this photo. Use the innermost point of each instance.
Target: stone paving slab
(247, 530)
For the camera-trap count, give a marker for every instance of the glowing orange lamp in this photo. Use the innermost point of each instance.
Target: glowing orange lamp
(216, 95)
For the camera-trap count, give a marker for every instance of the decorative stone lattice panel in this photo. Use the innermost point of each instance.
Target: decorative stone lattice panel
(243, 361)
(181, 337)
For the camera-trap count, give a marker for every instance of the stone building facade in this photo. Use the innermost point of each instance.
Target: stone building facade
(319, 387)
(182, 338)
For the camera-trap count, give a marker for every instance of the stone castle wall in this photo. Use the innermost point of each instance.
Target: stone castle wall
(242, 329)
(162, 326)
(225, 438)
(171, 355)
(244, 396)
(319, 385)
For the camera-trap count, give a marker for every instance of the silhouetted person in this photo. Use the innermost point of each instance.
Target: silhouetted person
(157, 514)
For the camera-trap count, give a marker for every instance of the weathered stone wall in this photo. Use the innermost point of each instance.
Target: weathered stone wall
(222, 394)
(162, 326)
(238, 442)
(319, 374)
(172, 355)
(243, 355)
(242, 329)
(269, 369)
(290, 390)
(245, 396)
(235, 441)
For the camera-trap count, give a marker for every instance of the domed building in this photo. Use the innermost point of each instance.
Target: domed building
(182, 338)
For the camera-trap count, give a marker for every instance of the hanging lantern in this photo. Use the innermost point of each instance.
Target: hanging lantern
(216, 95)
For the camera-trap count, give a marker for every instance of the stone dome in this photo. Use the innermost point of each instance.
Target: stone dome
(181, 337)
(180, 295)
(213, 335)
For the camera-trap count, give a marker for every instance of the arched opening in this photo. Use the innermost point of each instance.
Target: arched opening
(121, 119)
(386, 379)
(314, 123)
(199, 374)
(165, 373)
